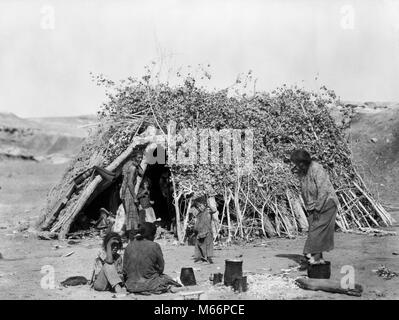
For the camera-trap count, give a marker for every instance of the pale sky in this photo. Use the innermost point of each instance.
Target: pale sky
(48, 48)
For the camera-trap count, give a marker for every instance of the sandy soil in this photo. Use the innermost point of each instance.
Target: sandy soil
(24, 185)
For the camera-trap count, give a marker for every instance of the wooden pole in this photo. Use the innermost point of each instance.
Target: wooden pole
(177, 209)
(227, 200)
(62, 226)
(186, 220)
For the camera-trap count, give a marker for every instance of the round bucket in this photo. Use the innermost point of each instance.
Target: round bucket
(233, 269)
(320, 271)
(217, 278)
(187, 277)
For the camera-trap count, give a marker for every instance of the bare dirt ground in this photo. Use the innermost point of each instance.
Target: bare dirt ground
(24, 185)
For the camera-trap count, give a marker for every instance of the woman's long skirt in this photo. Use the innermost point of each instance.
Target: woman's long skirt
(131, 212)
(321, 231)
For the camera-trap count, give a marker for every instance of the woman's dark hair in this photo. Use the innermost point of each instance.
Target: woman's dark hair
(136, 152)
(109, 236)
(301, 156)
(140, 149)
(147, 230)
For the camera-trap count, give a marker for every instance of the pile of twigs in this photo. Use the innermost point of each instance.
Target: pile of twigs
(385, 272)
(263, 203)
(354, 212)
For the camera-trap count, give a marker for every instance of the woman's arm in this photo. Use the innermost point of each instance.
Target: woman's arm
(195, 213)
(323, 187)
(132, 182)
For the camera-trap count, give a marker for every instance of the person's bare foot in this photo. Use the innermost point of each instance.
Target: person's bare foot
(176, 289)
(118, 289)
(315, 258)
(313, 261)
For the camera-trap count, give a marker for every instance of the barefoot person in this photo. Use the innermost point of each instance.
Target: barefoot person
(130, 171)
(143, 264)
(108, 266)
(321, 204)
(203, 230)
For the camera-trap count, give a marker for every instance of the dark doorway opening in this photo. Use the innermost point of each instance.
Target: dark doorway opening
(161, 192)
(108, 199)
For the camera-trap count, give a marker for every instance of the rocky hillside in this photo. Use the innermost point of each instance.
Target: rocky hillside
(42, 139)
(374, 138)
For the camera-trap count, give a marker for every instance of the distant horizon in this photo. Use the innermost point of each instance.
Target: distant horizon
(48, 49)
(346, 101)
(95, 114)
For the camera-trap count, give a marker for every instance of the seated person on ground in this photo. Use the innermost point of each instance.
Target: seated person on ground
(143, 264)
(108, 266)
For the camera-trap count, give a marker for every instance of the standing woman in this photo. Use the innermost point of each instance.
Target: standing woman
(130, 171)
(321, 204)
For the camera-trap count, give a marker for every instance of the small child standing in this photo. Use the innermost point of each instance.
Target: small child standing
(147, 213)
(203, 231)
